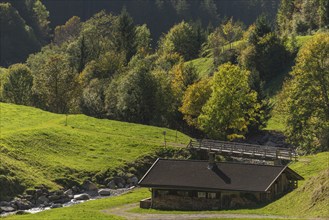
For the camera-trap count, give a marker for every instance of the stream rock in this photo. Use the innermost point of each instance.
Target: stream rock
(104, 192)
(83, 196)
(133, 181)
(89, 186)
(7, 209)
(42, 200)
(69, 192)
(23, 204)
(56, 205)
(112, 185)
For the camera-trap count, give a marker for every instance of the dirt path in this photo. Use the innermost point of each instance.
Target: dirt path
(123, 211)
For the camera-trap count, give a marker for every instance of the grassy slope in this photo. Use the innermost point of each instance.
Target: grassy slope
(309, 200)
(275, 86)
(203, 65)
(36, 147)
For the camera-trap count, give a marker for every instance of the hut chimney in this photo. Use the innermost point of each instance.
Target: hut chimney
(212, 164)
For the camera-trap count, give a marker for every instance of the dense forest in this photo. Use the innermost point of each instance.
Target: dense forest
(134, 62)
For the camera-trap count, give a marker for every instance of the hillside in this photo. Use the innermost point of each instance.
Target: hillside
(37, 148)
(309, 200)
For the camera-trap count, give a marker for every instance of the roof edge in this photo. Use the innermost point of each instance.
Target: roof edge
(148, 170)
(194, 188)
(276, 177)
(223, 162)
(298, 177)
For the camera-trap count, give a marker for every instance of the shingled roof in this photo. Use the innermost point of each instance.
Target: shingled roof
(195, 175)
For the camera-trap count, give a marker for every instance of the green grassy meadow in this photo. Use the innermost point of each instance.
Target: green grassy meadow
(204, 66)
(37, 148)
(308, 201)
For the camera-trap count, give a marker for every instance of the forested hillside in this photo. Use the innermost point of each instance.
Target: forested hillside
(97, 89)
(106, 66)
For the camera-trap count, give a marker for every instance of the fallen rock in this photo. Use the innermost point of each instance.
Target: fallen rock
(112, 185)
(89, 186)
(6, 209)
(68, 192)
(4, 203)
(23, 204)
(83, 196)
(104, 192)
(133, 180)
(53, 198)
(75, 189)
(42, 200)
(119, 180)
(56, 205)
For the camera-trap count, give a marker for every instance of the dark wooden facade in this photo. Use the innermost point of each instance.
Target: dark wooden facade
(174, 194)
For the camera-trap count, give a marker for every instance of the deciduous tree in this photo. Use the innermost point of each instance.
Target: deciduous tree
(305, 97)
(17, 86)
(231, 107)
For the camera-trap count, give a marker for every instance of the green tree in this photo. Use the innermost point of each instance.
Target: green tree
(36, 16)
(17, 87)
(132, 96)
(264, 53)
(3, 79)
(182, 76)
(55, 82)
(305, 97)
(143, 40)
(195, 97)
(125, 34)
(41, 19)
(92, 100)
(231, 107)
(17, 39)
(226, 34)
(70, 30)
(181, 39)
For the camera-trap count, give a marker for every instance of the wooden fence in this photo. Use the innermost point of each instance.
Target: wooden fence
(244, 150)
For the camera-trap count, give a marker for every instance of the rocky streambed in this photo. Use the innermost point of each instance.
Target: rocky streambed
(40, 198)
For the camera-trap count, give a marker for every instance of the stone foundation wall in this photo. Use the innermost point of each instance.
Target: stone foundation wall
(172, 202)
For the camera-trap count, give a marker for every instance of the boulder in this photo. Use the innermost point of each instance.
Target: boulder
(119, 180)
(23, 204)
(75, 189)
(133, 180)
(112, 185)
(68, 192)
(89, 186)
(6, 209)
(104, 192)
(53, 198)
(42, 200)
(28, 197)
(56, 205)
(4, 203)
(83, 196)
(59, 192)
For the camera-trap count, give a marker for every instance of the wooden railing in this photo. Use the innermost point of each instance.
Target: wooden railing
(244, 150)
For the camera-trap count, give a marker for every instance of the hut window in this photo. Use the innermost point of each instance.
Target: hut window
(182, 193)
(211, 195)
(163, 192)
(201, 195)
